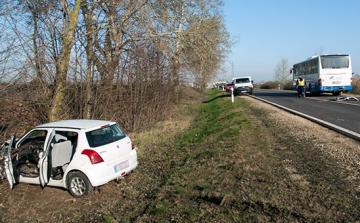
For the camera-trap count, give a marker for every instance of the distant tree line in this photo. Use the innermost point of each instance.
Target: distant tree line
(109, 59)
(287, 85)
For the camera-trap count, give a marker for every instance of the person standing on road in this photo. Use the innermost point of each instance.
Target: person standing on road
(300, 86)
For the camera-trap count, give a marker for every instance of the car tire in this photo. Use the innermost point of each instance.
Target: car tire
(79, 185)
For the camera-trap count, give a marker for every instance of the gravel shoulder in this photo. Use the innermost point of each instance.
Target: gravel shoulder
(345, 151)
(323, 163)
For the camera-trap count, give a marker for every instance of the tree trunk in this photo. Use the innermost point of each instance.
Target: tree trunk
(88, 17)
(61, 75)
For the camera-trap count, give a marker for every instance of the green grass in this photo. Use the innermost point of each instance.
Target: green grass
(223, 162)
(225, 165)
(203, 187)
(215, 116)
(192, 212)
(160, 208)
(202, 166)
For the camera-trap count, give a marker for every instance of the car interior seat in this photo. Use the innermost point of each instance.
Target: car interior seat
(61, 154)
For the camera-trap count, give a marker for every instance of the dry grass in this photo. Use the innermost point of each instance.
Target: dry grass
(161, 133)
(217, 162)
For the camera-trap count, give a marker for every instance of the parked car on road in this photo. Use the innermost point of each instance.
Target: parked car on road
(243, 85)
(228, 87)
(73, 154)
(221, 86)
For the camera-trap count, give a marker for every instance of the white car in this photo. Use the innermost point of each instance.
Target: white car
(243, 85)
(73, 154)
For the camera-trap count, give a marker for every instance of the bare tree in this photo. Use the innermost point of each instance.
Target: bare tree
(70, 17)
(11, 47)
(197, 38)
(281, 72)
(108, 59)
(110, 26)
(206, 46)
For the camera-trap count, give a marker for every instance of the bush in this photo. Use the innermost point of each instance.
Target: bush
(270, 85)
(288, 85)
(356, 86)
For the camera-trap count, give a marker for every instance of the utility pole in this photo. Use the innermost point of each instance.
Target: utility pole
(232, 68)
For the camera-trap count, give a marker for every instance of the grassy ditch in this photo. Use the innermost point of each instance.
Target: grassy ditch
(199, 174)
(216, 162)
(229, 162)
(234, 164)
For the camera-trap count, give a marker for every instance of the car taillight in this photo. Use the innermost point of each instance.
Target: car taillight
(132, 145)
(93, 156)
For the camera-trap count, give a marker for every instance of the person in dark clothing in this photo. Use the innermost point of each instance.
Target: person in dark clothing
(300, 86)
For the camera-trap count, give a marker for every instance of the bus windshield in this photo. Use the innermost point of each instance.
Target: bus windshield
(334, 62)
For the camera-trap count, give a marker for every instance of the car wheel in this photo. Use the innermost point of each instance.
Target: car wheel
(79, 185)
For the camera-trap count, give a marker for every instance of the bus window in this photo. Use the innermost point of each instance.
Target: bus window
(334, 62)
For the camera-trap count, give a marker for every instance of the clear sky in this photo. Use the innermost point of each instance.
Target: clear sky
(269, 30)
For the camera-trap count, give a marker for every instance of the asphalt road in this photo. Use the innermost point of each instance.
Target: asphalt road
(345, 114)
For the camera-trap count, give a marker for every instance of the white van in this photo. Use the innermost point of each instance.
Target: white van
(243, 85)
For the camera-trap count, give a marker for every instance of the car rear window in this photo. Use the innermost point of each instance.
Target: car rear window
(105, 135)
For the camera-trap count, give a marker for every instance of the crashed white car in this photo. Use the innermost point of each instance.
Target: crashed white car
(73, 154)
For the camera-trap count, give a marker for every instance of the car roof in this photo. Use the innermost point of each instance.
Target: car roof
(241, 77)
(76, 124)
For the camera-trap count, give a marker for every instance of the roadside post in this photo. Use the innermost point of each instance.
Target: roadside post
(232, 95)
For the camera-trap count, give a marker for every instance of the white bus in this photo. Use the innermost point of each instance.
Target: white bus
(325, 73)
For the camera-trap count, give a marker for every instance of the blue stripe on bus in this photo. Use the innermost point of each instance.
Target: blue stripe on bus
(328, 89)
(336, 88)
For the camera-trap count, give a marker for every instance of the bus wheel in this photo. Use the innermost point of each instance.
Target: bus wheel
(336, 93)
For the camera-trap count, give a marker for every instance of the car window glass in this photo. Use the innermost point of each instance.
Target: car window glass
(104, 135)
(35, 137)
(66, 135)
(242, 80)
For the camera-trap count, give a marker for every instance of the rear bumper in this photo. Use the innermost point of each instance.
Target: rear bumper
(240, 90)
(103, 173)
(335, 88)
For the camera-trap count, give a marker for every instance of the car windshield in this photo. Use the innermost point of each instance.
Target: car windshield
(105, 135)
(335, 61)
(242, 80)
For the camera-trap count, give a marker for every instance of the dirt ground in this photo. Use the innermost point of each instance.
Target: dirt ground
(322, 153)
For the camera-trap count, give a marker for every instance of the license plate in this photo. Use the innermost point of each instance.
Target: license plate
(122, 166)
